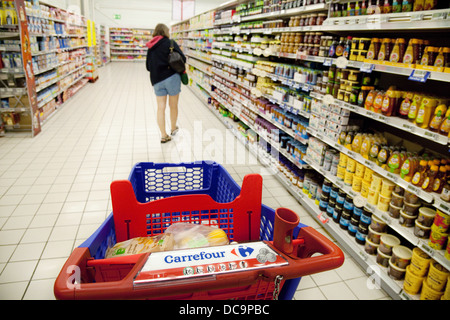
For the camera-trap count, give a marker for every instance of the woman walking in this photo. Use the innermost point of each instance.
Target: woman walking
(165, 81)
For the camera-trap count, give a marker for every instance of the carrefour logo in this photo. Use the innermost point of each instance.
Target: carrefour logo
(242, 251)
(194, 257)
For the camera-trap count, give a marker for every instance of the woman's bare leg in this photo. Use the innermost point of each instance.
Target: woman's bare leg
(173, 104)
(161, 114)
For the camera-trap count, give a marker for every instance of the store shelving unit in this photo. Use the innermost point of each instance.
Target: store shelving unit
(127, 44)
(55, 72)
(223, 68)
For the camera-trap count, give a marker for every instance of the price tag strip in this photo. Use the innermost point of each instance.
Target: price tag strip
(191, 264)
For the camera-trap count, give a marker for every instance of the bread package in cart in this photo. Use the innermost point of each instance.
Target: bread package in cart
(163, 242)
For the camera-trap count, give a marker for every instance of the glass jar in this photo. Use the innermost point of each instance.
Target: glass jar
(321, 18)
(313, 19)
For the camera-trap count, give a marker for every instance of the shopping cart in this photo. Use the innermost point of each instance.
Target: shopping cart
(157, 195)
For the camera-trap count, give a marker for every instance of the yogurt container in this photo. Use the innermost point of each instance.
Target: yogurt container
(370, 247)
(421, 231)
(394, 211)
(395, 272)
(426, 216)
(388, 242)
(401, 256)
(374, 236)
(378, 225)
(382, 258)
(437, 276)
(412, 283)
(411, 208)
(406, 220)
(429, 293)
(420, 262)
(437, 238)
(397, 199)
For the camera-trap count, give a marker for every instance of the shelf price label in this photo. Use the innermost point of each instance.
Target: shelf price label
(328, 62)
(419, 75)
(367, 67)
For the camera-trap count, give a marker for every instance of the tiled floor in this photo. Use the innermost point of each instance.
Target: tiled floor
(54, 188)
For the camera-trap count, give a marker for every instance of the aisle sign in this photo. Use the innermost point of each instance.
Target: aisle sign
(28, 65)
(117, 16)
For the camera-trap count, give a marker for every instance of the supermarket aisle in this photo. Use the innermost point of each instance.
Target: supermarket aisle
(54, 189)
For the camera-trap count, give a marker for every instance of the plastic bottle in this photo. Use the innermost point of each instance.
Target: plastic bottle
(419, 174)
(374, 48)
(398, 51)
(368, 104)
(425, 112)
(444, 129)
(365, 146)
(374, 150)
(394, 162)
(396, 6)
(385, 51)
(439, 180)
(408, 168)
(363, 8)
(445, 195)
(387, 8)
(378, 101)
(389, 102)
(383, 156)
(408, 57)
(347, 47)
(439, 115)
(430, 176)
(405, 104)
(356, 143)
(417, 100)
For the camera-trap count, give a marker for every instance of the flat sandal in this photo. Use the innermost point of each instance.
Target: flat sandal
(166, 139)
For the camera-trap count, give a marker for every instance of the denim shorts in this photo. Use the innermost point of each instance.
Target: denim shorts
(170, 86)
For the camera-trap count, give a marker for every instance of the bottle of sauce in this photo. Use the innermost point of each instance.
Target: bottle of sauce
(340, 47)
(439, 62)
(365, 146)
(374, 48)
(425, 111)
(368, 104)
(383, 156)
(374, 150)
(389, 102)
(439, 115)
(408, 167)
(394, 162)
(387, 8)
(430, 176)
(378, 101)
(419, 174)
(417, 100)
(445, 195)
(385, 51)
(440, 179)
(398, 51)
(396, 6)
(363, 8)
(347, 47)
(408, 57)
(405, 104)
(356, 143)
(444, 129)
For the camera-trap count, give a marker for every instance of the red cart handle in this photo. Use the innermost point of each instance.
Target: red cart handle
(301, 263)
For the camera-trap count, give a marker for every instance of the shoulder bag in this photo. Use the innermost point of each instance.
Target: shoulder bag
(175, 60)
